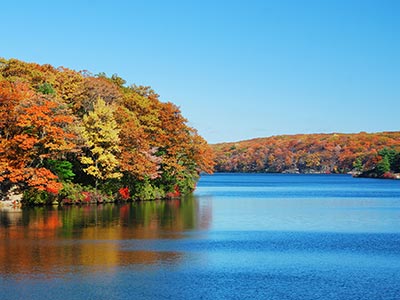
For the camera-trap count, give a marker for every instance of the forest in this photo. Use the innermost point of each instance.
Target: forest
(362, 154)
(74, 137)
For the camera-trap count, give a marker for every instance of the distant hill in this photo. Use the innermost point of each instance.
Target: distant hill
(311, 153)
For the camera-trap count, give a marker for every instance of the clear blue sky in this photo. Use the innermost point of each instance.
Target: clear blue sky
(237, 69)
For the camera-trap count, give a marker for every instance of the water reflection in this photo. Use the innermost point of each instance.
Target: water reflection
(63, 240)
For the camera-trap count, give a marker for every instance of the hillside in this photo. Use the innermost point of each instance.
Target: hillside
(312, 153)
(71, 136)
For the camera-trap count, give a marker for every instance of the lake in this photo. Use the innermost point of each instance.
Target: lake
(240, 236)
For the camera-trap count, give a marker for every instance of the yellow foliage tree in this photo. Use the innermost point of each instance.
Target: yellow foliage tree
(100, 134)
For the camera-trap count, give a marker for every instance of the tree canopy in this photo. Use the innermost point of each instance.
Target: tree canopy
(312, 153)
(65, 135)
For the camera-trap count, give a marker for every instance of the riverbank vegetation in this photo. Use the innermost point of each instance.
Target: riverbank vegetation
(363, 154)
(72, 137)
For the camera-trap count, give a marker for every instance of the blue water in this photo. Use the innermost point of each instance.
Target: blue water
(241, 236)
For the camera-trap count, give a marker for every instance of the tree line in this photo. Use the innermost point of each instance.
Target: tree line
(365, 154)
(71, 137)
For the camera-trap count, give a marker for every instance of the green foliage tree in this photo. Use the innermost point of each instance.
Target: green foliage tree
(358, 165)
(46, 88)
(393, 157)
(62, 168)
(383, 166)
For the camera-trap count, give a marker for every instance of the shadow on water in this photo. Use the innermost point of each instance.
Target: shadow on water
(52, 240)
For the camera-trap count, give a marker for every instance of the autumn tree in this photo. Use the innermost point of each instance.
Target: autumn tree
(37, 130)
(100, 134)
(184, 153)
(90, 89)
(138, 159)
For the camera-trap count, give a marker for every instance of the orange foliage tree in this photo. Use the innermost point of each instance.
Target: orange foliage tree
(36, 130)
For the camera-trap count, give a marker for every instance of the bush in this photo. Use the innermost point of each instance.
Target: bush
(187, 183)
(145, 191)
(124, 193)
(71, 193)
(95, 196)
(389, 175)
(75, 194)
(36, 197)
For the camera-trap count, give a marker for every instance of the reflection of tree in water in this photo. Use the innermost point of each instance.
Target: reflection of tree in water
(163, 218)
(135, 220)
(10, 216)
(59, 240)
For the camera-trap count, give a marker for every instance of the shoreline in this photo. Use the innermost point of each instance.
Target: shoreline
(15, 200)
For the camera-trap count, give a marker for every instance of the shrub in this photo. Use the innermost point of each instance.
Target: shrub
(145, 191)
(71, 193)
(124, 193)
(36, 197)
(389, 175)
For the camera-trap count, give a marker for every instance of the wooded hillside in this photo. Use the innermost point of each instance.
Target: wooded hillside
(311, 153)
(74, 137)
